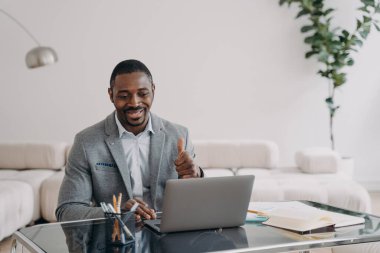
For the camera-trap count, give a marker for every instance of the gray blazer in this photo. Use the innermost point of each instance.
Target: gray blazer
(96, 167)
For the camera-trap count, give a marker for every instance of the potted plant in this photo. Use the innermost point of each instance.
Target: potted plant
(333, 46)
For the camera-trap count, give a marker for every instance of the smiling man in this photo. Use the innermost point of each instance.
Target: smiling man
(132, 152)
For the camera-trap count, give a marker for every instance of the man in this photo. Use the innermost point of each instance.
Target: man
(132, 151)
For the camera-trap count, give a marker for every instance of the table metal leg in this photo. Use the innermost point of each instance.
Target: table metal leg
(14, 246)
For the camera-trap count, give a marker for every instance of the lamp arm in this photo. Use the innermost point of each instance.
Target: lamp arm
(21, 25)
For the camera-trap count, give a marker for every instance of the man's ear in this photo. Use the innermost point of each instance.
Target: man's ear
(110, 93)
(153, 89)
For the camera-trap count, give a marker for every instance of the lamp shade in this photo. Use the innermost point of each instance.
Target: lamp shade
(40, 56)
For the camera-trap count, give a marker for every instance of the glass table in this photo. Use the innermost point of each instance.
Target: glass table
(89, 236)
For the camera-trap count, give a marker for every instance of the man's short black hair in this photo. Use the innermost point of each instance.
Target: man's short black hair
(129, 66)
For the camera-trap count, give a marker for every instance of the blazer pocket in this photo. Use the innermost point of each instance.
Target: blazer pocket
(106, 169)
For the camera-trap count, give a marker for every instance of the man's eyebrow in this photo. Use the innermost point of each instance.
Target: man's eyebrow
(126, 90)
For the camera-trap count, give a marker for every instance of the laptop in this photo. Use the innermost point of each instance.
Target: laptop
(204, 203)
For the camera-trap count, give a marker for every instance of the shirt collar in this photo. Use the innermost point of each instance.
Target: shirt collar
(122, 130)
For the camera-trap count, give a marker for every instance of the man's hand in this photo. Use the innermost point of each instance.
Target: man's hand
(142, 211)
(185, 166)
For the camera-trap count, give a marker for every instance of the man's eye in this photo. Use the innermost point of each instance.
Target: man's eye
(122, 96)
(144, 94)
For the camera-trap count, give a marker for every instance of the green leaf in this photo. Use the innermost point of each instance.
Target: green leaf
(368, 2)
(318, 4)
(328, 11)
(358, 23)
(353, 49)
(309, 54)
(306, 28)
(364, 9)
(358, 42)
(309, 40)
(377, 8)
(339, 79)
(377, 27)
(342, 38)
(329, 100)
(332, 109)
(323, 73)
(345, 33)
(307, 4)
(323, 56)
(365, 31)
(350, 62)
(318, 12)
(302, 12)
(366, 19)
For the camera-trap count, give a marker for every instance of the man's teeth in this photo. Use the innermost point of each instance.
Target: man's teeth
(135, 112)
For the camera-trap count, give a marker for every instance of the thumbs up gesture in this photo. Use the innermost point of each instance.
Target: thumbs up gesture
(185, 166)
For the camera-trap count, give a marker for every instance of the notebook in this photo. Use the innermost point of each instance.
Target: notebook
(302, 218)
(204, 203)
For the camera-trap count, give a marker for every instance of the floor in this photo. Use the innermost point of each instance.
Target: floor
(375, 197)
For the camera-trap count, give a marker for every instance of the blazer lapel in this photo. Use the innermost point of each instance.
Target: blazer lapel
(116, 148)
(157, 142)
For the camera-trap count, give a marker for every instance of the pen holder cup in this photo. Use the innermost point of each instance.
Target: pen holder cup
(116, 233)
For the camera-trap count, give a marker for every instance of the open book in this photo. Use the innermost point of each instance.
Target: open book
(302, 218)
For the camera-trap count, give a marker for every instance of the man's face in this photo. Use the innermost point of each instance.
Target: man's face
(132, 94)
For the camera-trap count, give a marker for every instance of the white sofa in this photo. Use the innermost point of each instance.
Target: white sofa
(274, 183)
(24, 167)
(31, 175)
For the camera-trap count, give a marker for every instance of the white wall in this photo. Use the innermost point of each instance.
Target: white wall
(225, 69)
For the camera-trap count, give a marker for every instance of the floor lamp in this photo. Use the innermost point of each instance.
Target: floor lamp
(38, 56)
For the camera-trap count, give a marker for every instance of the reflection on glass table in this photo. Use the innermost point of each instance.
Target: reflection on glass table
(90, 236)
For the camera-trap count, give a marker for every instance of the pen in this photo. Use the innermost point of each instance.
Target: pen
(119, 202)
(158, 216)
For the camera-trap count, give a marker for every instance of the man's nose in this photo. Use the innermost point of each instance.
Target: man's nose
(134, 100)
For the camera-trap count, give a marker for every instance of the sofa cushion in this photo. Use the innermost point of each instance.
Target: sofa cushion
(216, 154)
(318, 160)
(16, 201)
(32, 177)
(236, 154)
(217, 172)
(291, 183)
(266, 190)
(49, 195)
(259, 173)
(258, 154)
(295, 172)
(303, 189)
(15, 155)
(348, 194)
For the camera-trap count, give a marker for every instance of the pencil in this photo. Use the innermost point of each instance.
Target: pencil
(114, 202)
(116, 227)
(257, 212)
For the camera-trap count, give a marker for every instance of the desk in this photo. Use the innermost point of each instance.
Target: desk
(89, 236)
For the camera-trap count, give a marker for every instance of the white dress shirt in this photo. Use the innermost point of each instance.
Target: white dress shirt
(136, 150)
